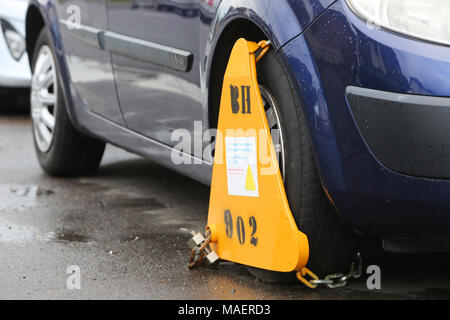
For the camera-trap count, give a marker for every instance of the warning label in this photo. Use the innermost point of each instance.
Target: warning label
(242, 166)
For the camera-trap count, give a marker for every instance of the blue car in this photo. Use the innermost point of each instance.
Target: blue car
(358, 89)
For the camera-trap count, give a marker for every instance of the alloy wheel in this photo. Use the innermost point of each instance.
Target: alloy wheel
(44, 99)
(273, 118)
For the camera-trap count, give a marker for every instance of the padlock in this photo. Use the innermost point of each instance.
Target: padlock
(208, 257)
(211, 257)
(196, 240)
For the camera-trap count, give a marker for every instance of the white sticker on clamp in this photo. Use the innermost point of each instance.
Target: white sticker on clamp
(242, 166)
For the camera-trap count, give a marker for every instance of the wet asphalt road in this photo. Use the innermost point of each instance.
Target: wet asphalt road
(122, 228)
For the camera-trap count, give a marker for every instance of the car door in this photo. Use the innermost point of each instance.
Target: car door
(155, 45)
(90, 67)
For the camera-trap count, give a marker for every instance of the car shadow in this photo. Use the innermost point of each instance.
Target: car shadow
(14, 101)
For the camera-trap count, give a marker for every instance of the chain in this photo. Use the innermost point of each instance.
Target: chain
(198, 253)
(264, 46)
(337, 280)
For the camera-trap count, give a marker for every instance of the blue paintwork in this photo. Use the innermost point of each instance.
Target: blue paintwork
(340, 50)
(324, 50)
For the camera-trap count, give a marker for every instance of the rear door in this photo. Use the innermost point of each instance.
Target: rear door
(155, 45)
(90, 67)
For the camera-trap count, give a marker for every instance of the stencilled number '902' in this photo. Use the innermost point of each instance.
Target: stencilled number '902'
(240, 228)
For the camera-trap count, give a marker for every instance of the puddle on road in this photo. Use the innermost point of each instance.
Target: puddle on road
(30, 192)
(67, 235)
(19, 197)
(134, 203)
(14, 233)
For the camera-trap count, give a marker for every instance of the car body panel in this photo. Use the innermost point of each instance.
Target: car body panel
(373, 198)
(89, 66)
(155, 99)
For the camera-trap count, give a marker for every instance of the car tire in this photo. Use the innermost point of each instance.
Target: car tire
(332, 244)
(60, 148)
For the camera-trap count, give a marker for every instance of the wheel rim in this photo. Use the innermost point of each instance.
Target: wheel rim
(43, 99)
(273, 118)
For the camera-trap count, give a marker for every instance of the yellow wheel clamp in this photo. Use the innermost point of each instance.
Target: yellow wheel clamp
(249, 220)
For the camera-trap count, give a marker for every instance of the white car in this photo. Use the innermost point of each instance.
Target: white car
(14, 67)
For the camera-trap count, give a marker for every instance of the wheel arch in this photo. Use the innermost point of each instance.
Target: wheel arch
(238, 19)
(233, 21)
(231, 33)
(278, 21)
(34, 23)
